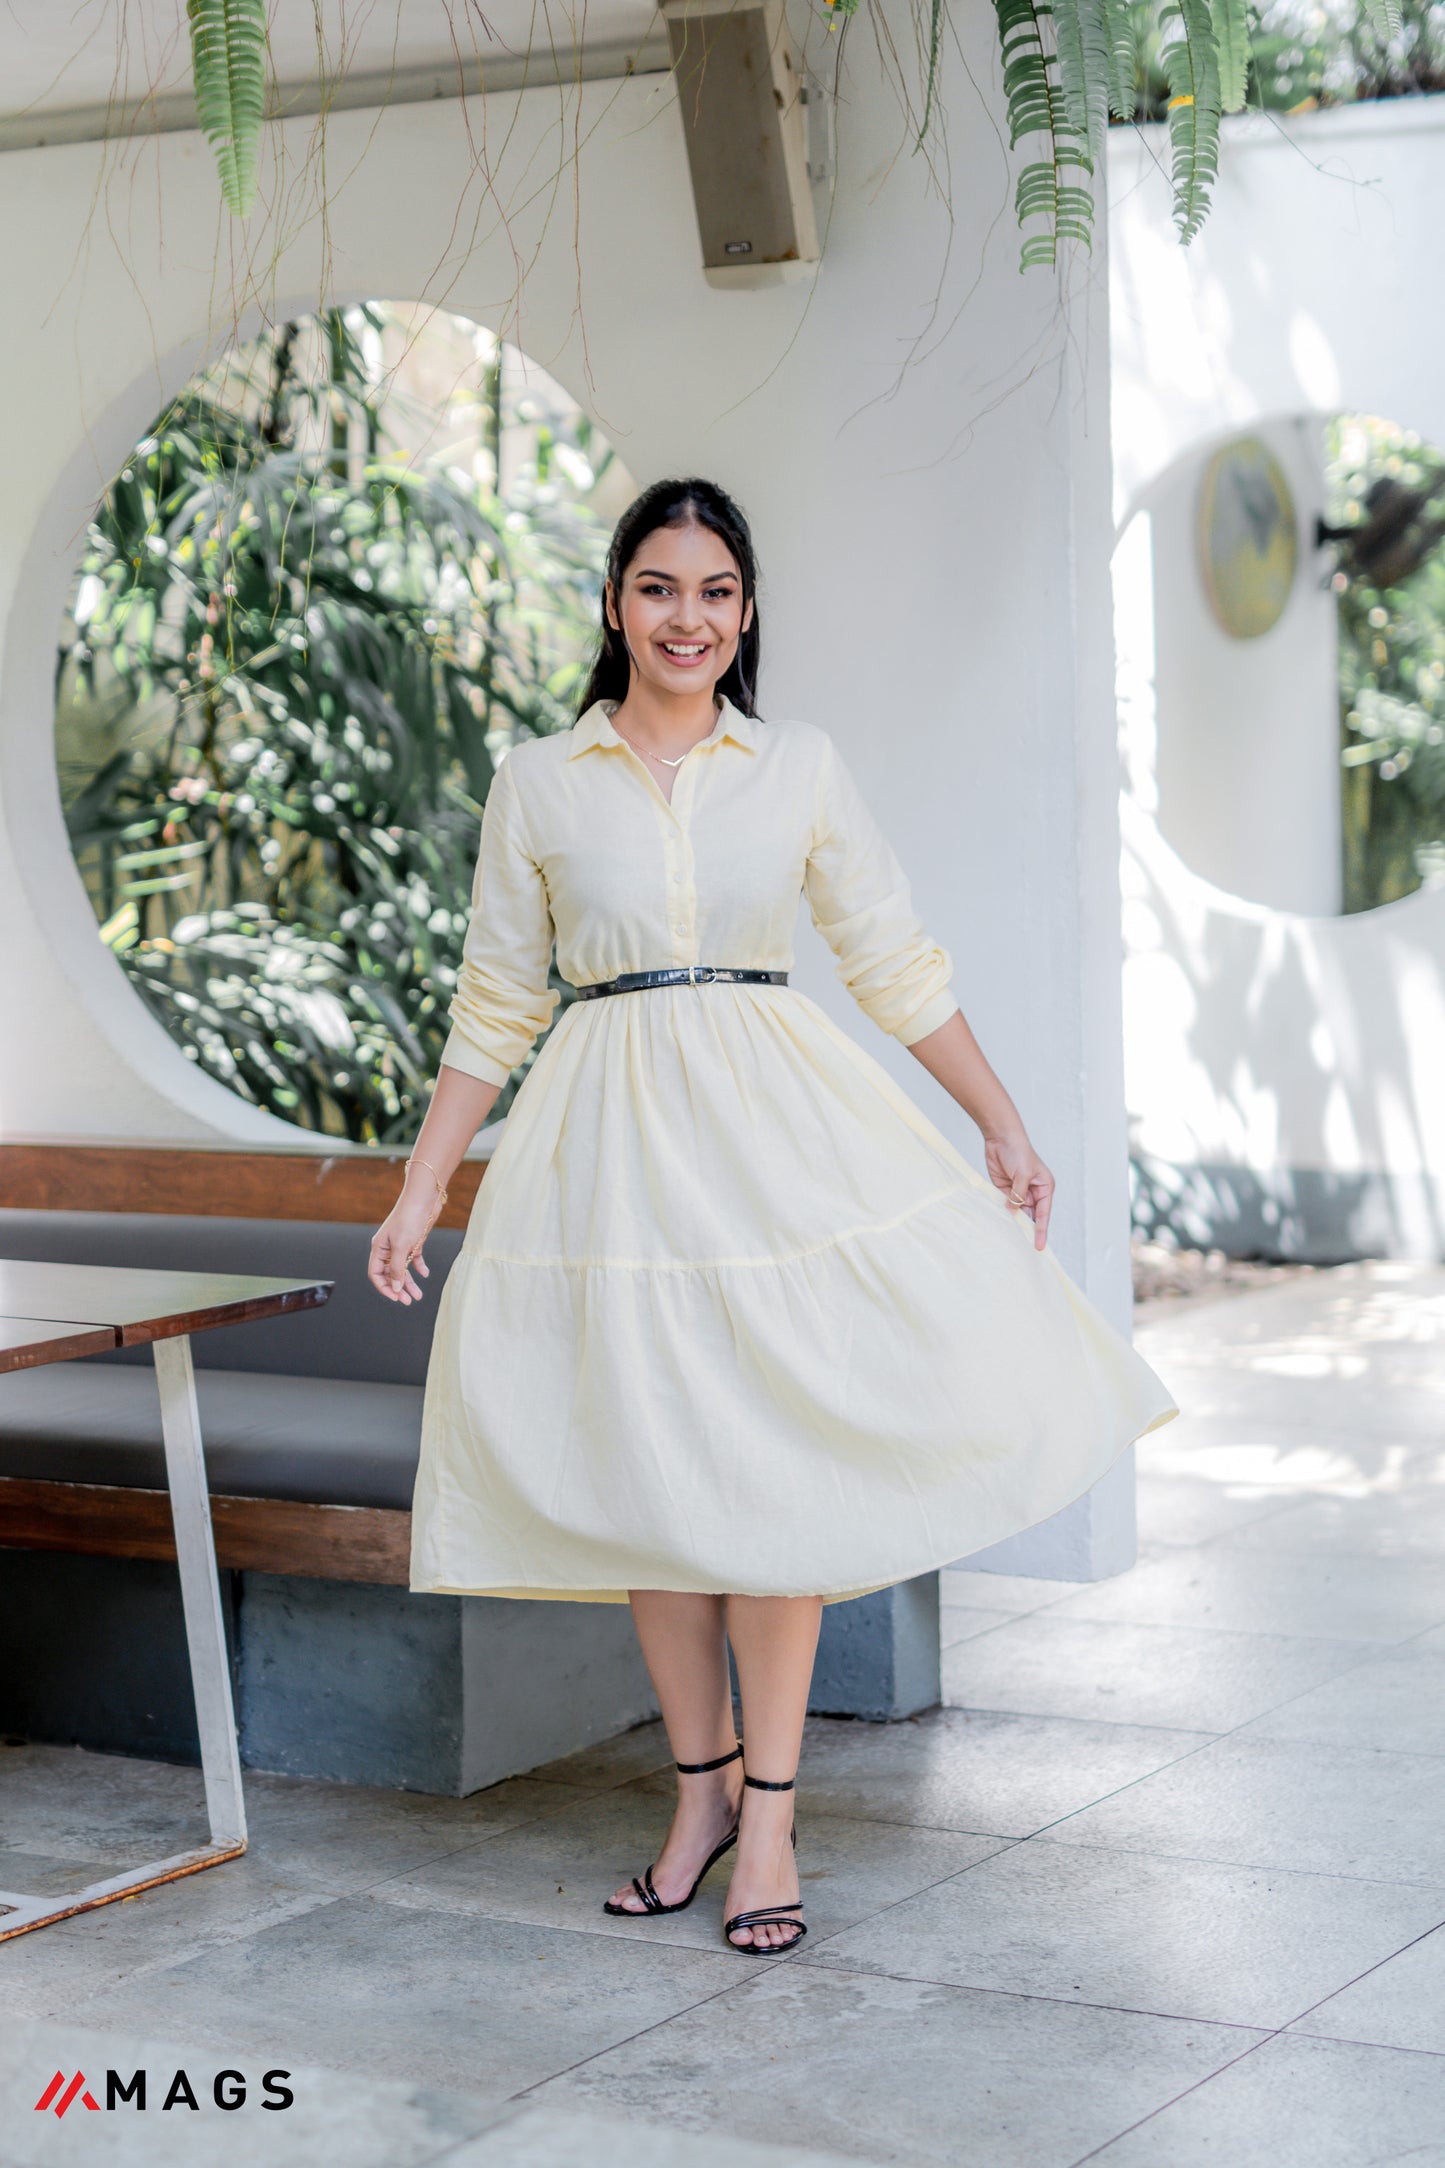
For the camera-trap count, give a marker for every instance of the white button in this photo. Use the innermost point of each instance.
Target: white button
(675, 877)
(679, 929)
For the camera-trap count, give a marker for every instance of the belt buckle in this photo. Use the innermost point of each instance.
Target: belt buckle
(708, 978)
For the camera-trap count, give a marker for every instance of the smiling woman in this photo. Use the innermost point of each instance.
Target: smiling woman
(735, 1330)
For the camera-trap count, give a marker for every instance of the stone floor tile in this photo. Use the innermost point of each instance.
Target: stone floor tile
(1184, 1938)
(345, 1838)
(958, 1622)
(37, 1874)
(1198, 1677)
(1401, 2004)
(1394, 1701)
(900, 2071)
(981, 1591)
(1294, 1460)
(1277, 1592)
(1299, 2103)
(66, 1802)
(551, 2138)
(1281, 1803)
(120, 1946)
(557, 1872)
(1184, 1509)
(486, 2007)
(334, 2121)
(998, 1775)
(1404, 1523)
(73, 1804)
(615, 1761)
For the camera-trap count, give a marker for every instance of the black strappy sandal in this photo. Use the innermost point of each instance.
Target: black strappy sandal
(652, 1905)
(767, 1914)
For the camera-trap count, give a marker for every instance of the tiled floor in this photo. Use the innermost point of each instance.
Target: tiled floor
(1163, 1886)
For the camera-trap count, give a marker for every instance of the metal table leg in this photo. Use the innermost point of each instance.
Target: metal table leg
(210, 1670)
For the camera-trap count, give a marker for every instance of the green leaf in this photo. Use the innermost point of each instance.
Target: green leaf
(1231, 31)
(1383, 17)
(1037, 106)
(1085, 63)
(1189, 55)
(228, 58)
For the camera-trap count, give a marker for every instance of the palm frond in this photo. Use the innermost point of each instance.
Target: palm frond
(228, 60)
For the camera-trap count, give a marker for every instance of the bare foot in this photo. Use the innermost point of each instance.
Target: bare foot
(766, 1872)
(707, 1808)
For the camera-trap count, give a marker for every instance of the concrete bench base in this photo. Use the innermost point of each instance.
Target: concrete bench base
(373, 1685)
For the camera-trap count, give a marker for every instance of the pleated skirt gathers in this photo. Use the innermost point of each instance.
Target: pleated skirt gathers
(732, 1315)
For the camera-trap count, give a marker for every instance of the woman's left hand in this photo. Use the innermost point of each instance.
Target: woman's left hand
(1015, 1168)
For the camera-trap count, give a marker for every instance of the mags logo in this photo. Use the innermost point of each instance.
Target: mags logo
(61, 2096)
(228, 2090)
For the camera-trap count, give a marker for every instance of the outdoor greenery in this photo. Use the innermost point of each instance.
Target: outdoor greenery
(299, 641)
(1309, 53)
(1392, 674)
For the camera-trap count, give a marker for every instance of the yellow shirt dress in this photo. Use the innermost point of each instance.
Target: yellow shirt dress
(731, 1314)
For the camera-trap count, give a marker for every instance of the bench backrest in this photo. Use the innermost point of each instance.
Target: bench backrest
(356, 1334)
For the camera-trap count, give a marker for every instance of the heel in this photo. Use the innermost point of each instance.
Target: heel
(652, 1906)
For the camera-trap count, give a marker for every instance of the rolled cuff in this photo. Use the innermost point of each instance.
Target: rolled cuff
(463, 1053)
(933, 1013)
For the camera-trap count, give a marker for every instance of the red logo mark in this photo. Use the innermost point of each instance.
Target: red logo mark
(76, 2085)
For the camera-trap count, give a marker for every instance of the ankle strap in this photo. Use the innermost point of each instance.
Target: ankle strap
(761, 1784)
(700, 1768)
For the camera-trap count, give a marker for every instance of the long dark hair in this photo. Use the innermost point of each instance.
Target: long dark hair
(691, 503)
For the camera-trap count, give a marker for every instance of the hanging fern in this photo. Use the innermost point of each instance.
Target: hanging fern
(1189, 54)
(1038, 105)
(1231, 31)
(228, 56)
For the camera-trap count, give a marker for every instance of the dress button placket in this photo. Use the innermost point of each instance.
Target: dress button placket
(679, 856)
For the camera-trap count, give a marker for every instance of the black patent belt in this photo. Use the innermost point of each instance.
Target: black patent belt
(632, 982)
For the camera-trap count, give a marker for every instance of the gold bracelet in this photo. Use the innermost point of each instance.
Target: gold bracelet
(441, 1186)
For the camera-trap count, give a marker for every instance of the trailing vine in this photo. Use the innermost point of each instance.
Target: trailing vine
(1070, 67)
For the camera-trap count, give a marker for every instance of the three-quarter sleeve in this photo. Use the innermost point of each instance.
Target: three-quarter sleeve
(502, 1001)
(861, 905)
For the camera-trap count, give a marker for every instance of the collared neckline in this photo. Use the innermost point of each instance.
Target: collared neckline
(595, 727)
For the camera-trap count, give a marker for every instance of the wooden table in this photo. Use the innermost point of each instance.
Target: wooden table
(54, 1313)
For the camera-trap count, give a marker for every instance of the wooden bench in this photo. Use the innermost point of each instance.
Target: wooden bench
(43, 1188)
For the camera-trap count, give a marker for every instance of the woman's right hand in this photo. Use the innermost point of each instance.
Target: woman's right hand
(397, 1246)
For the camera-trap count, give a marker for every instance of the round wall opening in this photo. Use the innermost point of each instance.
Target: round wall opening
(349, 567)
(1280, 618)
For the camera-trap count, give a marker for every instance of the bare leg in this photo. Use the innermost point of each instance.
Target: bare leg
(685, 1652)
(775, 1639)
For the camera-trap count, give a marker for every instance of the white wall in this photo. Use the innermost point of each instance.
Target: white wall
(934, 530)
(1283, 1065)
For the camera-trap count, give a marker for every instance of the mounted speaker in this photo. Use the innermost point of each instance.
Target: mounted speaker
(744, 116)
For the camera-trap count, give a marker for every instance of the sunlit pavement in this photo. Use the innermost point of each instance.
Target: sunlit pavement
(1163, 1886)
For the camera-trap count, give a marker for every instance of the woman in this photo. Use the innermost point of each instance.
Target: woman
(735, 1330)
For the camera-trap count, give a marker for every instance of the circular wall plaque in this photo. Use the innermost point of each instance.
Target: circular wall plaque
(1248, 537)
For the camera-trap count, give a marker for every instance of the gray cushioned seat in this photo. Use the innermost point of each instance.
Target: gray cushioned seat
(325, 1441)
